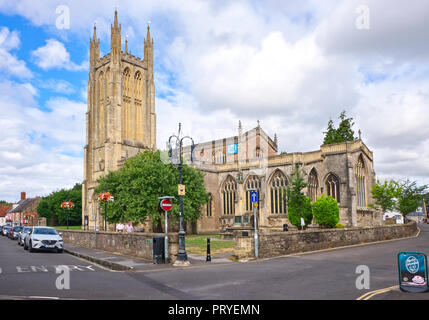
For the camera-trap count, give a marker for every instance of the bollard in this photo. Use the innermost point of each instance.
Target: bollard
(208, 259)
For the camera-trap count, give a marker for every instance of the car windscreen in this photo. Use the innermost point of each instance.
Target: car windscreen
(17, 229)
(45, 231)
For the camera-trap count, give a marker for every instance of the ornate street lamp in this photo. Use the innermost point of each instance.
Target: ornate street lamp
(105, 197)
(181, 256)
(68, 205)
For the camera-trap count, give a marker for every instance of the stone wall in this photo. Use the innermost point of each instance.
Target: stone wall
(133, 244)
(283, 243)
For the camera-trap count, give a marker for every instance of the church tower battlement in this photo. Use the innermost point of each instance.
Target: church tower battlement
(121, 119)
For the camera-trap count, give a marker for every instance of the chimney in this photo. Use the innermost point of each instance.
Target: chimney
(22, 195)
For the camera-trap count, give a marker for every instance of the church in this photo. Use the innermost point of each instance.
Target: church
(121, 122)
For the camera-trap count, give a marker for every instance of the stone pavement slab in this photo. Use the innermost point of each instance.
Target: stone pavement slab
(120, 262)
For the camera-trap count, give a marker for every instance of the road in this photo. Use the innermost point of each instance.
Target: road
(321, 275)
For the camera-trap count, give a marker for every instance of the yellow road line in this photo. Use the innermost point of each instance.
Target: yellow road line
(370, 294)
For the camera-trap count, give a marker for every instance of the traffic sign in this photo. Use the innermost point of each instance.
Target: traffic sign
(254, 197)
(166, 205)
(181, 189)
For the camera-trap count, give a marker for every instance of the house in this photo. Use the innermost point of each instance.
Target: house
(3, 211)
(417, 215)
(24, 211)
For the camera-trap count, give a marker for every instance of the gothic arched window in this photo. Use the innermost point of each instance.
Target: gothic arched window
(108, 88)
(126, 104)
(127, 82)
(138, 86)
(229, 191)
(360, 175)
(333, 187)
(313, 185)
(278, 197)
(210, 205)
(252, 182)
(101, 107)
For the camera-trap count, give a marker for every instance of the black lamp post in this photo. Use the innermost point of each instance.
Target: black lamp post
(181, 256)
(105, 211)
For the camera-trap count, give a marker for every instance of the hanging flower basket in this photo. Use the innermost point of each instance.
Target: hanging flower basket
(67, 205)
(105, 196)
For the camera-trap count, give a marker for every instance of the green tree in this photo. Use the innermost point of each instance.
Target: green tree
(326, 211)
(330, 134)
(385, 195)
(143, 178)
(50, 206)
(343, 133)
(410, 196)
(299, 205)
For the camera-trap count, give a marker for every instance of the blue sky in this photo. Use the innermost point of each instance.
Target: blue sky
(292, 65)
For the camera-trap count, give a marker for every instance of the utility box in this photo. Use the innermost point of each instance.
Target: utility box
(158, 249)
(285, 227)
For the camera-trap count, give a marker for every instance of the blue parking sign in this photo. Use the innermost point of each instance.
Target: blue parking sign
(254, 197)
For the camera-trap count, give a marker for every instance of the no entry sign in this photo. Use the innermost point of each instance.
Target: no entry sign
(166, 205)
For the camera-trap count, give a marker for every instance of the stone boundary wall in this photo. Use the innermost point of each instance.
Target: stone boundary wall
(282, 243)
(134, 244)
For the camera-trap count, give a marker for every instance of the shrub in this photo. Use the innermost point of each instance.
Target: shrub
(326, 211)
(299, 205)
(296, 210)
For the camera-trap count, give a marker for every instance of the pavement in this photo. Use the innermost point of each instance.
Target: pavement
(118, 262)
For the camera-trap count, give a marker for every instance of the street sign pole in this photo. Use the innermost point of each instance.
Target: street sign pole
(95, 230)
(256, 232)
(254, 200)
(165, 208)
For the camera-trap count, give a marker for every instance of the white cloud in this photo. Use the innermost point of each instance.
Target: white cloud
(40, 151)
(57, 86)
(9, 63)
(55, 55)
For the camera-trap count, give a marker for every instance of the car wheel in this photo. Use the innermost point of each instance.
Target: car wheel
(59, 250)
(25, 246)
(30, 248)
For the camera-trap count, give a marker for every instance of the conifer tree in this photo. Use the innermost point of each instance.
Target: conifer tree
(343, 133)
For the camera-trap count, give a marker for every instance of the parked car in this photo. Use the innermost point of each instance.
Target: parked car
(43, 238)
(14, 232)
(22, 235)
(5, 230)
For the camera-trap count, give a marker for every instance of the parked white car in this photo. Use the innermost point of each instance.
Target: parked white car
(22, 235)
(43, 238)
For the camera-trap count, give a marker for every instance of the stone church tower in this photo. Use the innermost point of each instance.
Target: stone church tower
(121, 119)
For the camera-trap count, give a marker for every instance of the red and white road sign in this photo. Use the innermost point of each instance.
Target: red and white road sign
(166, 205)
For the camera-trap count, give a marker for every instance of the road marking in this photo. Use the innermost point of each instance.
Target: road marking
(4, 297)
(35, 269)
(370, 294)
(39, 297)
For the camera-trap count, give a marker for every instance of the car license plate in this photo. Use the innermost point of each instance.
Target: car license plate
(49, 246)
